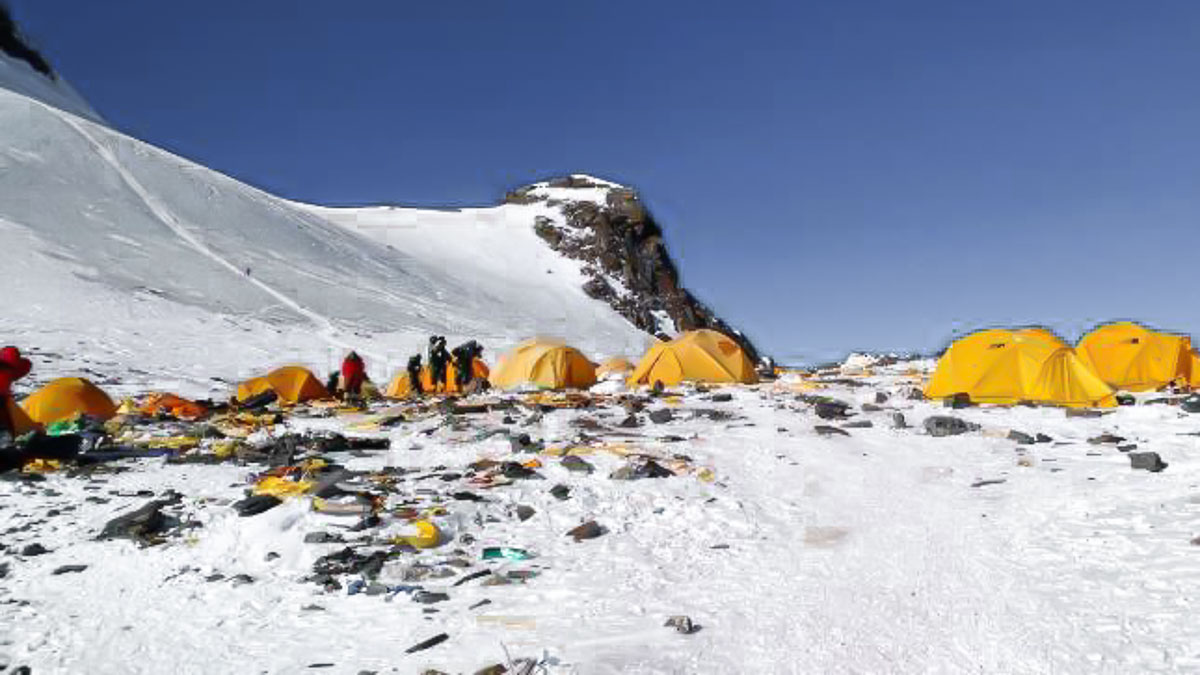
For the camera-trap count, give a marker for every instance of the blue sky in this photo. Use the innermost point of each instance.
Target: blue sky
(831, 175)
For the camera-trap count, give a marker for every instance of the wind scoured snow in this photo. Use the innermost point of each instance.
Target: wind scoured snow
(18, 76)
(117, 221)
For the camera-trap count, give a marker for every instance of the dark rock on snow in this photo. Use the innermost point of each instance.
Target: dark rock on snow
(1150, 461)
(622, 241)
(826, 430)
(944, 425)
(662, 415)
(256, 504)
(589, 530)
(141, 523)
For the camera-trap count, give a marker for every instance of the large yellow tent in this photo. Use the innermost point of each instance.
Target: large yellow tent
(400, 387)
(293, 384)
(1132, 357)
(696, 356)
(66, 397)
(22, 423)
(1011, 366)
(546, 364)
(616, 365)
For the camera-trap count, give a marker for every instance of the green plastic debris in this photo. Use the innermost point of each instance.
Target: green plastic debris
(497, 552)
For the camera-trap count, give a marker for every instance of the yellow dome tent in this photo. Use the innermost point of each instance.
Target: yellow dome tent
(399, 387)
(293, 384)
(546, 364)
(696, 356)
(22, 424)
(616, 365)
(66, 397)
(1010, 366)
(1132, 357)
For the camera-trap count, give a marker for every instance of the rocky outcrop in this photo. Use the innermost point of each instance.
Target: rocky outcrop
(624, 257)
(12, 44)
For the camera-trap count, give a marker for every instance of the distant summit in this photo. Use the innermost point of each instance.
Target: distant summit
(624, 257)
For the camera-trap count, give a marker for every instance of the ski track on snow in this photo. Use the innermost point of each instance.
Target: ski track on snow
(172, 222)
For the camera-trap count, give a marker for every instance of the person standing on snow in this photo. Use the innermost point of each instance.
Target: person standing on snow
(13, 367)
(414, 376)
(464, 362)
(354, 374)
(438, 359)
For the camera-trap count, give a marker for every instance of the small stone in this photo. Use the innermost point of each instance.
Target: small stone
(561, 492)
(256, 504)
(321, 538)
(525, 512)
(1042, 438)
(242, 580)
(722, 397)
(898, 421)
(881, 397)
(944, 425)
(630, 422)
(871, 407)
(1020, 437)
(271, 555)
(1150, 461)
(858, 424)
(67, 569)
(831, 410)
(1103, 439)
(577, 464)
(426, 644)
(429, 597)
(826, 430)
(662, 415)
(495, 669)
(34, 549)
(589, 530)
(682, 624)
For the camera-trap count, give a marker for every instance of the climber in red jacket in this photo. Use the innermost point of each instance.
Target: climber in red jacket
(13, 367)
(354, 374)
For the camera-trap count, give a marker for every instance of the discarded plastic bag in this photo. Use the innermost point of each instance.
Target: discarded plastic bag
(428, 536)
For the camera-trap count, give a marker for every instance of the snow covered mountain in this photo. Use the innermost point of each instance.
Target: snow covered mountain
(114, 248)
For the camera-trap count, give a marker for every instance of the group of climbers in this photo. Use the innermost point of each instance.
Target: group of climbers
(458, 370)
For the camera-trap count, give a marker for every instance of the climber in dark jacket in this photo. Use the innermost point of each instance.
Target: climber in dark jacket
(464, 360)
(438, 359)
(414, 376)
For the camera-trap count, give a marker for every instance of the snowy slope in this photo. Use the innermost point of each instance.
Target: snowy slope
(116, 238)
(19, 77)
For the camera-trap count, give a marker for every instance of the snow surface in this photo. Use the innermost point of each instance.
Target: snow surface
(18, 76)
(123, 248)
(877, 552)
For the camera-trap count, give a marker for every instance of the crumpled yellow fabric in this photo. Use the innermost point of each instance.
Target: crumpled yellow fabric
(281, 487)
(41, 466)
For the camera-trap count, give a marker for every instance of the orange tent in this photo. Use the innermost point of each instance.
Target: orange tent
(67, 397)
(400, 388)
(293, 384)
